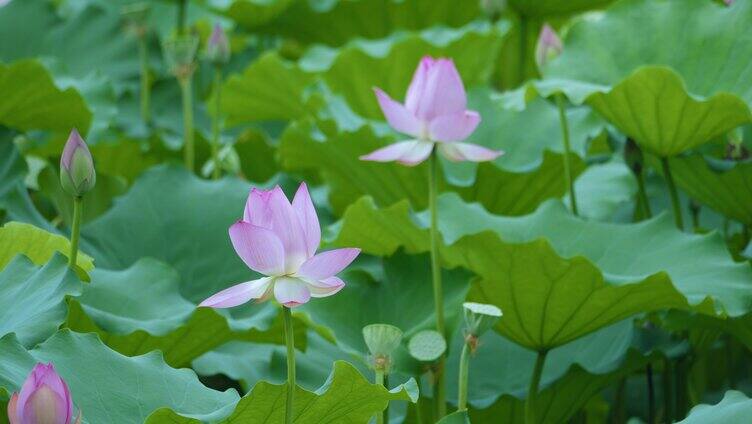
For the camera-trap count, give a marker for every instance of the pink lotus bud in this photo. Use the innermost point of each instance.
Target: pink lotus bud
(218, 47)
(77, 174)
(549, 46)
(44, 399)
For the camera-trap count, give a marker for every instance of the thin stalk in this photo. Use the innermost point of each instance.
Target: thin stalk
(143, 54)
(567, 151)
(78, 210)
(674, 194)
(217, 121)
(290, 340)
(668, 391)
(651, 394)
(187, 94)
(532, 391)
(462, 384)
(182, 13)
(438, 296)
(643, 195)
(379, 379)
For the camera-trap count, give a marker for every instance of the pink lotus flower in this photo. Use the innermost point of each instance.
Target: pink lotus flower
(44, 399)
(434, 113)
(279, 240)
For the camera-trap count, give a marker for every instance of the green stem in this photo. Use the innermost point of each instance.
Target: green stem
(438, 296)
(187, 94)
(182, 12)
(567, 151)
(78, 210)
(380, 381)
(462, 384)
(668, 390)
(651, 394)
(532, 391)
(217, 121)
(290, 340)
(643, 195)
(674, 194)
(143, 53)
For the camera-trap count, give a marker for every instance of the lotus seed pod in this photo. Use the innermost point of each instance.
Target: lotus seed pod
(480, 317)
(382, 339)
(180, 53)
(427, 345)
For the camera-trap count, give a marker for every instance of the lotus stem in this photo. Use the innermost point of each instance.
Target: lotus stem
(143, 53)
(182, 13)
(78, 209)
(290, 340)
(217, 121)
(668, 390)
(379, 379)
(651, 393)
(462, 385)
(187, 94)
(644, 201)
(567, 152)
(438, 296)
(532, 391)
(673, 193)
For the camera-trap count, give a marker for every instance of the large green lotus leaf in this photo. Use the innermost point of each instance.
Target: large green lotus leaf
(564, 398)
(723, 185)
(140, 309)
(389, 63)
(335, 156)
(538, 8)
(31, 100)
(37, 244)
(336, 22)
(605, 192)
(525, 279)
(33, 298)
(171, 215)
(680, 102)
(735, 407)
(270, 88)
(14, 196)
(95, 203)
(47, 34)
(346, 397)
(253, 362)
(109, 387)
(599, 353)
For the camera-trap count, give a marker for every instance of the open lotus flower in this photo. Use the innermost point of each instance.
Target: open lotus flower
(279, 240)
(434, 113)
(44, 399)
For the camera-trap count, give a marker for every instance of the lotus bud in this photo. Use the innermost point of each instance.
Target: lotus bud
(77, 173)
(218, 47)
(549, 46)
(382, 340)
(427, 345)
(479, 318)
(44, 399)
(180, 53)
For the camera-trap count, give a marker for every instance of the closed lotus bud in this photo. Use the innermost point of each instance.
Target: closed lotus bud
(218, 47)
(44, 399)
(382, 340)
(549, 46)
(77, 174)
